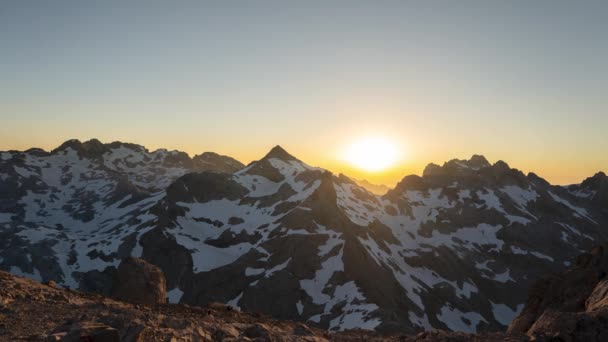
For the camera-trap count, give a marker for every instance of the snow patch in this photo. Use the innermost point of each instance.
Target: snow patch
(504, 314)
(175, 295)
(420, 321)
(581, 212)
(457, 320)
(234, 302)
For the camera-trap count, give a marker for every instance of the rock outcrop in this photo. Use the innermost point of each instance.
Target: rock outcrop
(569, 306)
(137, 281)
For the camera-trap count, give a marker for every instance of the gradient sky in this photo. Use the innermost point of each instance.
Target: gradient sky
(522, 81)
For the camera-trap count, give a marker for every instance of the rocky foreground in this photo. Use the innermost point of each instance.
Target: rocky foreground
(568, 306)
(31, 311)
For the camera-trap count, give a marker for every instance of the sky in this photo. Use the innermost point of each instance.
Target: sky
(521, 81)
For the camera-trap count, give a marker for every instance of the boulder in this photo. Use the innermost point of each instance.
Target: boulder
(571, 305)
(139, 282)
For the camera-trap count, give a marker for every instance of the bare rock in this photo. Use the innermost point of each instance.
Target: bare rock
(257, 330)
(571, 305)
(137, 281)
(90, 331)
(134, 333)
(570, 326)
(599, 297)
(302, 330)
(225, 332)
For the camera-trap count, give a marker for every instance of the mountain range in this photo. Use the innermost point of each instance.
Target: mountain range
(456, 248)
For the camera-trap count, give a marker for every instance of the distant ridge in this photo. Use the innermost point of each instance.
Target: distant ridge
(378, 189)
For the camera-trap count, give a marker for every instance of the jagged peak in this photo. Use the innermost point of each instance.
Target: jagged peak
(212, 157)
(502, 165)
(479, 161)
(279, 153)
(342, 178)
(595, 180)
(93, 147)
(476, 162)
(131, 146)
(476, 170)
(431, 169)
(75, 144)
(534, 178)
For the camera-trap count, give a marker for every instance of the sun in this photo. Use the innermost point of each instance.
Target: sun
(372, 154)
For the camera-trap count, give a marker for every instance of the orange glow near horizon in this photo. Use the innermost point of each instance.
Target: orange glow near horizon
(329, 154)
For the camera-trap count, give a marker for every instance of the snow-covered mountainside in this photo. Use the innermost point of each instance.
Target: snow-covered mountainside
(455, 248)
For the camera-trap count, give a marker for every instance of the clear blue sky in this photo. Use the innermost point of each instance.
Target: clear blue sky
(523, 81)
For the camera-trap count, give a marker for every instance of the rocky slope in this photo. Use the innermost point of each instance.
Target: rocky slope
(571, 305)
(456, 248)
(568, 306)
(31, 311)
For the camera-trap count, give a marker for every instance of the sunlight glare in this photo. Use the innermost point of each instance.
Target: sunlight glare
(372, 154)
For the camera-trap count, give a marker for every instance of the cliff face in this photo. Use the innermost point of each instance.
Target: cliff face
(571, 305)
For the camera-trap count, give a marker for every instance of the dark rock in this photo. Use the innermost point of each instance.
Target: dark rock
(279, 153)
(139, 282)
(91, 332)
(204, 187)
(571, 305)
(135, 333)
(302, 330)
(210, 161)
(257, 330)
(265, 169)
(235, 220)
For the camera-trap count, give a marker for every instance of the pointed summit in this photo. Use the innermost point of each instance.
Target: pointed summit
(279, 153)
